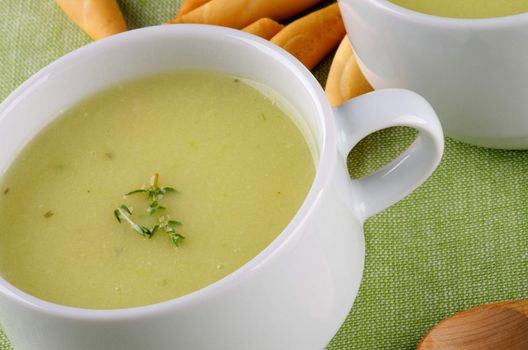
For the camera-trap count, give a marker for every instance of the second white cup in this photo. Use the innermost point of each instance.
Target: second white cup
(474, 72)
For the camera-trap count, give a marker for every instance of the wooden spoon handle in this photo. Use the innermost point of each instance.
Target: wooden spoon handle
(489, 327)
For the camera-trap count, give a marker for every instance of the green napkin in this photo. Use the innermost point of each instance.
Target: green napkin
(460, 240)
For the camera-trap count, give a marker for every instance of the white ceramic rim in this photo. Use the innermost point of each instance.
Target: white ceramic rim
(439, 21)
(327, 158)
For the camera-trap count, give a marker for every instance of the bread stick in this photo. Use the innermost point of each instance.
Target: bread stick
(241, 13)
(345, 79)
(98, 18)
(265, 28)
(313, 36)
(189, 5)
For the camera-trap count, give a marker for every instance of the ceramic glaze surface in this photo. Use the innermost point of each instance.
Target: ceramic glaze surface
(307, 277)
(472, 71)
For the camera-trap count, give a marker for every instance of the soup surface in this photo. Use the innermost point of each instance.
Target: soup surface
(241, 166)
(466, 8)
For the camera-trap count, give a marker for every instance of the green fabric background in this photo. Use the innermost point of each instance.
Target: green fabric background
(460, 240)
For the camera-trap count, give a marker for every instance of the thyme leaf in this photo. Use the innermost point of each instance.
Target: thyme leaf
(175, 238)
(117, 215)
(136, 191)
(153, 194)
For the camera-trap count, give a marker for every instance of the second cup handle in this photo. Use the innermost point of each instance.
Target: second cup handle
(382, 109)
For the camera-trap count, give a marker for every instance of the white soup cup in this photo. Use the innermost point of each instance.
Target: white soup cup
(474, 72)
(296, 293)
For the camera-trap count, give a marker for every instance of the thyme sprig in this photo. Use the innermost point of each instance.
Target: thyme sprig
(154, 194)
(168, 226)
(124, 212)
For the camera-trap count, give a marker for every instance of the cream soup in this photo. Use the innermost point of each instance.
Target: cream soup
(466, 8)
(240, 163)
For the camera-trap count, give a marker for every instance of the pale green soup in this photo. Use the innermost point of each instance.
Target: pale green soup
(240, 163)
(466, 8)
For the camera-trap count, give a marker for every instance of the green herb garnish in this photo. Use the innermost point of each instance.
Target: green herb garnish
(154, 194)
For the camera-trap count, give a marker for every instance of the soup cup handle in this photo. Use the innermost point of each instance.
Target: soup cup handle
(381, 109)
